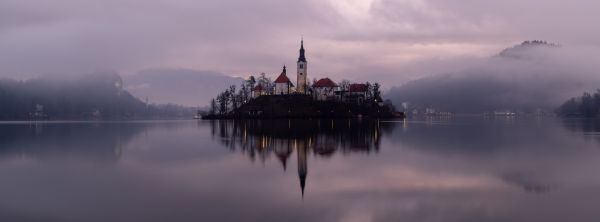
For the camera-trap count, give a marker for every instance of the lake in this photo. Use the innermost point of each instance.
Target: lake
(435, 169)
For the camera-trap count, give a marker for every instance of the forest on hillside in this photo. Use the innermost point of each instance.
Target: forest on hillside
(93, 96)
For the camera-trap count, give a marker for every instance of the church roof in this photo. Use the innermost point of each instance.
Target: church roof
(283, 78)
(325, 82)
(358, 87)
(259, 87)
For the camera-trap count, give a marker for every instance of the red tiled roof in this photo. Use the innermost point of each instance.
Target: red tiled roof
(325, 82)
(259, 87)
(358, 87)
(282, 78)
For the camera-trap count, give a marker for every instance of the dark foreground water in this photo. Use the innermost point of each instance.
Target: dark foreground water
(466, 169)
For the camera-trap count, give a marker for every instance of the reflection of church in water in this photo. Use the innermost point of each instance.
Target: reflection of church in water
(323, 138)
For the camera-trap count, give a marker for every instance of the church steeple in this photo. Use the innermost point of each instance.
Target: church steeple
(301, 58)
(302, 70)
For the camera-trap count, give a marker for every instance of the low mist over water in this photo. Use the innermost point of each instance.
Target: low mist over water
(459, 169)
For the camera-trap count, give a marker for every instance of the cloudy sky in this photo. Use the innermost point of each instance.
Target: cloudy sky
(350, 39)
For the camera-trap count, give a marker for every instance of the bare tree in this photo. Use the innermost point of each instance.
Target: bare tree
(266, 83)
(251, 82)
(233, 98)
(344, 85)
(223, 100)
(369, 91)
(213, 107)
(244, 93)
(377, 92)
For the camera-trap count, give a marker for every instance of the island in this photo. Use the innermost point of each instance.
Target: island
(261, 98)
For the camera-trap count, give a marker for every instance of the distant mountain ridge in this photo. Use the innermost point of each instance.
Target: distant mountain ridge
(528, 77)
(91, 96)
(178, 86)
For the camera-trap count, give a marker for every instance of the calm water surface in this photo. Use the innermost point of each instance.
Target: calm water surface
(463, 169)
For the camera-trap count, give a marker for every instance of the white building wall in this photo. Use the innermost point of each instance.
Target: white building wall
(301, 77)
(282, 88)
(322, 93)
(256, 94)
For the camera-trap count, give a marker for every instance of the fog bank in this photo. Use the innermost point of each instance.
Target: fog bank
(523, 78)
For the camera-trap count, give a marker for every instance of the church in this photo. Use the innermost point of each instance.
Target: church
(323, 89)
(283, 85)
(299, 97)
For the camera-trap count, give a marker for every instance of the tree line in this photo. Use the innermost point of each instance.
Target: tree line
(587, 105)
(234, 97)
(93, 96)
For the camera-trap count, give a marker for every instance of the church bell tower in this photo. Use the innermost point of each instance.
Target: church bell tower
(302, 66)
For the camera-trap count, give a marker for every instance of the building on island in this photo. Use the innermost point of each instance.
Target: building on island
(258, 90)
(300, 97)
(357, 93)
(324, 89)
(283, 85)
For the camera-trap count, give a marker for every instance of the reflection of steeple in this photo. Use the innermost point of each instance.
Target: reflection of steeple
(302, 167)
(283, 152)
(324, 138)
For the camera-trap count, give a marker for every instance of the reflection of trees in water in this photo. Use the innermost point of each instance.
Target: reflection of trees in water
(263, 138)
(94, 141)
(589, 127)
(526, 147)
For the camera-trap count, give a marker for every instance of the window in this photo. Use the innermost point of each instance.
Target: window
(301, 66)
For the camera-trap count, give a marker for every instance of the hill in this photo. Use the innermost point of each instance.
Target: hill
(178, 86)
(528, 77)
(92, 96)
